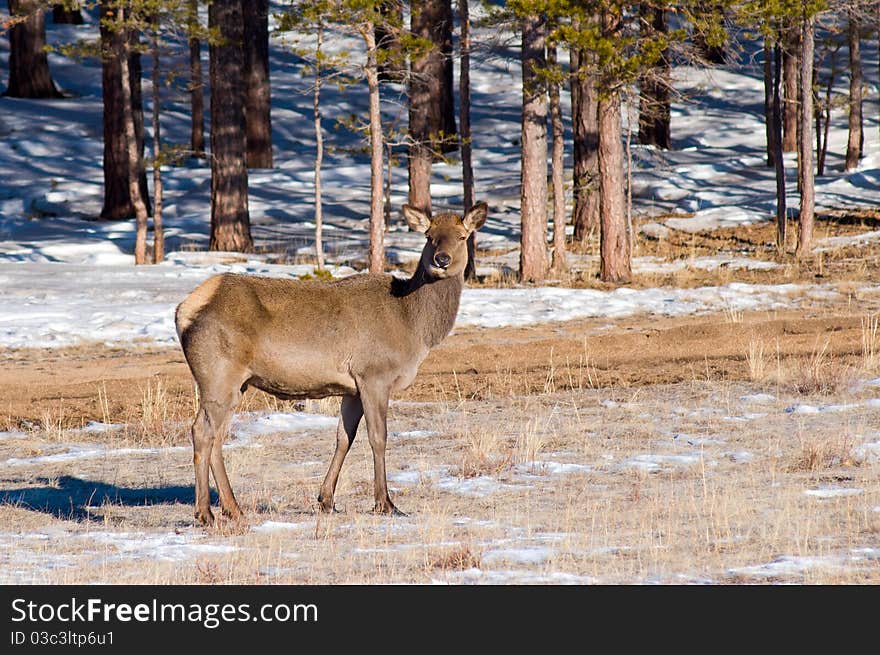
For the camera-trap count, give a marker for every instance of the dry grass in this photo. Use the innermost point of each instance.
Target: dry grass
(669, 490)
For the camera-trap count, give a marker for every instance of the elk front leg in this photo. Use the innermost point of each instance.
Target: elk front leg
(350, 414)
(375, 403)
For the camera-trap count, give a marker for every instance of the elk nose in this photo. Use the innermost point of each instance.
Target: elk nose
(442, 260)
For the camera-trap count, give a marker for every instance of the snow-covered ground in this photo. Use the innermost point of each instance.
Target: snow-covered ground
(65, 277)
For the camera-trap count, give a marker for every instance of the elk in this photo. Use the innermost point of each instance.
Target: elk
(362, 338)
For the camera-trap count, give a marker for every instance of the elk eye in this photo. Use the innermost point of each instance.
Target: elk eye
(462, 238)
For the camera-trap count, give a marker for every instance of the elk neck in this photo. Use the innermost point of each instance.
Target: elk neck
(431, 304)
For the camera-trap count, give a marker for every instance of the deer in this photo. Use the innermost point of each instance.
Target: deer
(361, 337)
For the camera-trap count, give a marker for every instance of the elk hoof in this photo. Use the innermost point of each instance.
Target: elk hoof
(326, 506)
(233, 513)
(388, 509)
(205, 518)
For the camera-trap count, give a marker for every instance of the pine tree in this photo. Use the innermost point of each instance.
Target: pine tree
(29, 75)
(230, 220)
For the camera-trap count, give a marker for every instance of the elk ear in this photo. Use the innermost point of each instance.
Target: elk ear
(417, 220)
(476, 217)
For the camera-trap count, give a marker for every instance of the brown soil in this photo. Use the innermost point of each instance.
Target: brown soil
(86, 383)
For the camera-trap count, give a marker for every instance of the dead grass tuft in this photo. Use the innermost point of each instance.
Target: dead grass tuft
(816, 453)
(456, 558)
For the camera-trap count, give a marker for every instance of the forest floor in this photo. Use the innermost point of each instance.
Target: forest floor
(720, 448)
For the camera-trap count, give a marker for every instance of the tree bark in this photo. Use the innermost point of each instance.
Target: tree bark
(557, 169)
(29, 75)
(464, 122)
(319, 152)
(614, 238)
(614, 247)
(158, 229)
(806, 176)
(196, 85)
(117, 196)
(377, 219)
(61, 15)
(855, 141)
(230, 221)
(431, 108)
(257, 104)
(533, 189)
(654, 105)
(585, 137)
(778, 161)
(790, 50)
(134, 159)
(768, 101)
(392, 65)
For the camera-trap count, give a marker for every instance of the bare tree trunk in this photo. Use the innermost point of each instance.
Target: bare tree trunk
(134, 159)
(431, 109)
(61, 15)
(196, 86)
(533, 189)
(158, 230)
(778, 161)
(230, 221)
(117, 198)
(392, 65)
(855, 141)
(464, 122)
(557, 169)
(806, 178)
(768, 100)
(790, 85)
(654, 107)
(377, 222)
(29, 75)
(319, 153)
(257, 104)
(585, 137)
(614, 247)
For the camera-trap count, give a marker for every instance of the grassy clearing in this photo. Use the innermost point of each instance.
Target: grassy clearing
(693, 482)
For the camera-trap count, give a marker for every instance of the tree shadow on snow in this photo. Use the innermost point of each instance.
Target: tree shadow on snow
(70, 498)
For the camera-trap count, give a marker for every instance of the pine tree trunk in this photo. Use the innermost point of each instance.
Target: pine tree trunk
(585, 137)
(319, 153)
(464, 121)
(117, 196)
(856, 138)
(778, 161)
(806, 178)
(431, 107)
(614, 247)
(533, 189)
(158, 229)
(557, 170)
(654, 106)
(377, 222)
(790, 89)
(257, 103)
(29, 75)
(196, 86)
(230, 222)
(133, 159)
(61, 15)
(392, 65)
(768, 100)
